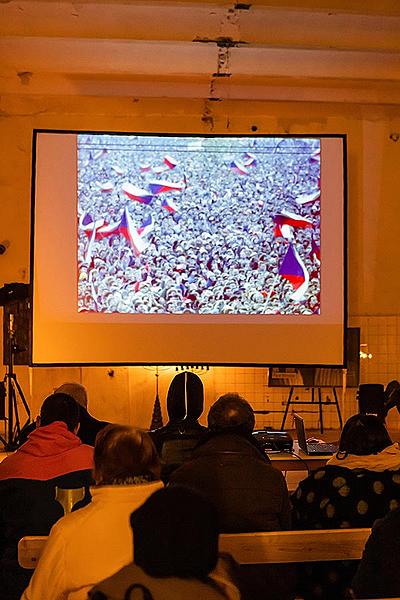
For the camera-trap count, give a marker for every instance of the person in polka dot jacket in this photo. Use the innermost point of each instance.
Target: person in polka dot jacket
(358, 485)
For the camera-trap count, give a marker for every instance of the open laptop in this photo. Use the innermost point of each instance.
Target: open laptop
(311, 447)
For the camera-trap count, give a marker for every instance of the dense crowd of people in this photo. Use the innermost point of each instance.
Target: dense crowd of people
(179, 487)
(210, 240)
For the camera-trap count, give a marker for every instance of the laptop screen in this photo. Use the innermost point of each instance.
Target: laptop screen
(300, 430)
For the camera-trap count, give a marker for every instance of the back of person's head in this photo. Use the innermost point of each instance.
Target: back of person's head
(185, 397)
(176, 534)
(76, 390)
(60, 407)
(231, 411)
(363, 435)
(123, 453)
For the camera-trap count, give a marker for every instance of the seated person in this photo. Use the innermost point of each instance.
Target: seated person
(175, 553)
(89, 426)
(176, 440)
(95, 541)
(231, 470)
(357, 486)
(52, 456)
(378, 574)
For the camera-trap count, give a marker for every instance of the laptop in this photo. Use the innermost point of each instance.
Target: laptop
(311, 447)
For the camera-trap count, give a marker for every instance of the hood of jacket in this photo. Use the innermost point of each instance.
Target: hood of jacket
(229, 441)
(185, 398)
(50, 440)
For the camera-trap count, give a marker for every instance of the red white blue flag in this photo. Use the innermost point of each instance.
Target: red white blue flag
(136, 193)
(308, 198)
(294, 270)
(147, 226)
(169, 205)
(128, 230)
(107, 230)
(170, 162)
(287, 218)
(315, 251)
(238, 167)
(158, 187)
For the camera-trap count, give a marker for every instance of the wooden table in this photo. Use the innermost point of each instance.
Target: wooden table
(298, 460)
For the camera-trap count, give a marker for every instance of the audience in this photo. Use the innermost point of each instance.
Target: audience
(176, 440)
(378, 574)
(52, 456)
(89, 426)
(95, 541)
(357, 486)
(175, 552)
(230, 469)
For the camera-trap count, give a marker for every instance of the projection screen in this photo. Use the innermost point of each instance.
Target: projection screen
(188, 249)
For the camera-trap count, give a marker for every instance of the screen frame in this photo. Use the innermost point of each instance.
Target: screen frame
(343, 137)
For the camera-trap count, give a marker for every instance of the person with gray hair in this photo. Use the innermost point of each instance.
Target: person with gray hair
(89, 425)
(230, 469)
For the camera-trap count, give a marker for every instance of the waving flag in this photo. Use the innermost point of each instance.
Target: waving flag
(160, 169)
(117, 169)
(316, 156)
(283, 231)
(158, 187)
(170, 162)
(99, 153)
(288, 218)
(249, 160)
(147, 226)
(145, 167)
(107, 187)
(294, 270)
(308, 198)
(169, 205)
(239, 168)
(87, 224)
(89, 250)
(136, 193)
(128, 230)
(107, 230)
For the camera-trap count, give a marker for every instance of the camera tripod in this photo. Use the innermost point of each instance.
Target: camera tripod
(13, 393)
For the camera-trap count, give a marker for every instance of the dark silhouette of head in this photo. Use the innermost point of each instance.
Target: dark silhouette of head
(122, 453)
(176, 534)
(363, 435)
(60, 407)
(231, 411)
(185, 398)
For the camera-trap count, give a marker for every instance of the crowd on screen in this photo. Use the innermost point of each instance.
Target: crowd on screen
(176, 488)
(209, 246)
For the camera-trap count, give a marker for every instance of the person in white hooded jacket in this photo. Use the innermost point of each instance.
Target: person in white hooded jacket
(94, 542)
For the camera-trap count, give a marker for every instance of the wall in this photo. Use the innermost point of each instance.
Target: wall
(373, 224)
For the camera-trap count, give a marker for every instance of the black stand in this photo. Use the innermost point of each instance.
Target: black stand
(320, 404)
(14, 390)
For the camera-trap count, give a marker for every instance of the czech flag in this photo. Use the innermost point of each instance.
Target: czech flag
(117, 170)
(128, 230)
(288, 218)
(147, 226)
(249, 160)
(99, 153)
(107, 230)
(169, 205)
(308, 198)
(160, 169)
(145, 168)
(283, 231)
(316, 156)
(136, 193)
(107, 187)
(87, 224)
(237, 167)
(170, 162)
(158, 187)
(294, 270)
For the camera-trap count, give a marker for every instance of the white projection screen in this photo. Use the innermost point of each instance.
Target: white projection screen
(188, 249)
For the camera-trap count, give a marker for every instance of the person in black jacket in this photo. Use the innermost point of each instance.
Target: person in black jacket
(230, 469)
(378, 574)
(176, 440)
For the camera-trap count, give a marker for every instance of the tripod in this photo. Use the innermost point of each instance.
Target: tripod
(13, 391)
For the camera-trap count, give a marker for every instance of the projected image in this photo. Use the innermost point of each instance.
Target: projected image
(200, 225)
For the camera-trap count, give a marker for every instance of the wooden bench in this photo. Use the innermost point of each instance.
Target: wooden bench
(256, 548)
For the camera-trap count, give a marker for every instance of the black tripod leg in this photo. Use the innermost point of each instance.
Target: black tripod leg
(21, 394)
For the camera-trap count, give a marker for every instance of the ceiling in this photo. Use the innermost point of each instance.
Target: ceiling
(324, 50)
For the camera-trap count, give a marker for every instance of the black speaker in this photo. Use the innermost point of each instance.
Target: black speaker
(18, 313)
(371, 399)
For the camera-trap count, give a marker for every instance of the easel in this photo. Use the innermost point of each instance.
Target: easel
(315, 391)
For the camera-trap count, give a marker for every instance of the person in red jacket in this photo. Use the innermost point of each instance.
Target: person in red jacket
(52, 456)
